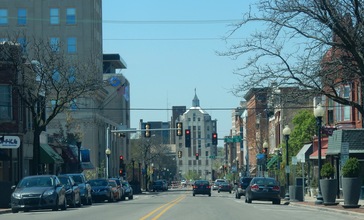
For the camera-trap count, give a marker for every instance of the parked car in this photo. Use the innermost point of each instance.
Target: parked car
(38, 192)
(224, 187)
(217, 183)
(72, 190)
(101, 190)
(201, 187)
(128, 190)
(263, 189)
(115, 191)
(158, 185)
(85, 188)
(241, 186)
(120, 188)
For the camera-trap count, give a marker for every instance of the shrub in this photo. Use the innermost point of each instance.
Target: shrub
(351, 168)
(327, 171)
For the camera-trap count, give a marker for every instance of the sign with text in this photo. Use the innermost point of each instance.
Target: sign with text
(9, 142)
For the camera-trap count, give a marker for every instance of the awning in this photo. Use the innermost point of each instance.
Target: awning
(48, 155)
(272, 161)
(314, 155)
(87, 166)
(304, 153)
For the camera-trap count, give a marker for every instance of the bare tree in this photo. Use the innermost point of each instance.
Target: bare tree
(48, 80)
(316, 45)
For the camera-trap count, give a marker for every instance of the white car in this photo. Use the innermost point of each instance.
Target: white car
(217, 183)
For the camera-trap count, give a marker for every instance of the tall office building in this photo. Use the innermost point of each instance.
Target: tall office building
(201, 127)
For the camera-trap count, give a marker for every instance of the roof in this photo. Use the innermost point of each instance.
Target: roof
(354, 137)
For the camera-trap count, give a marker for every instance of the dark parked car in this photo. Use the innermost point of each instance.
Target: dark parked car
(120, 188)
(201, 187)
(85, 188)
(241, 186)
(115, 191)
(263, 189)
(128, 190)
(224, 187)
(158, 185)
(101, 190)
(72, 190)
(38, 192)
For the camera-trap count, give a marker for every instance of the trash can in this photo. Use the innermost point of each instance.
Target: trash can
(296, 193)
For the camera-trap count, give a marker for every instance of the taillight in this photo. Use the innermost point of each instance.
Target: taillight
(275, 188)
(255, 187)
(209, 187)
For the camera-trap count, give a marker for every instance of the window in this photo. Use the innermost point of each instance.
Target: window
(5, 102)
(71, 16)
(347, 108)
(3, 16)
(54, 44)
(71, 45)
(22, 16)
(54, 16)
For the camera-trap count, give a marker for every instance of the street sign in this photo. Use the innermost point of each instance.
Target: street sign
(9, 142)
(233, 139)
(212, 157)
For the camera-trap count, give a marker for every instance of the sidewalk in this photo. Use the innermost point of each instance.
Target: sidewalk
(310, 203)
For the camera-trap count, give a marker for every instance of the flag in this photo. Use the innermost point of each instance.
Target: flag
(126, 93)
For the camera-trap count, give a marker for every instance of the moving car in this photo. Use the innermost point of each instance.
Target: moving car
(224, 187)
(217, 183)
(101, 190)
(158, 185)
(72, 191)
(85, 188)
(263, 189)
(241, 186)
(38, 192)
(201, 187)
(128, 190)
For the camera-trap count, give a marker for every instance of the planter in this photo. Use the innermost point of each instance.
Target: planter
(351, 191)
(328, 191)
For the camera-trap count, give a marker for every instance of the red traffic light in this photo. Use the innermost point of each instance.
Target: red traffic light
(197, 155)
(187, 131)
(121, 157)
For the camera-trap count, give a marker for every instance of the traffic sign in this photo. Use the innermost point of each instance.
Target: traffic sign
(212, 157)
(233, 139)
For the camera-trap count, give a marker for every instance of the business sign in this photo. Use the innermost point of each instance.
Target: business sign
(9, 142)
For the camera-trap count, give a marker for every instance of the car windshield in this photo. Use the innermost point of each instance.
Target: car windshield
(64, 180)
(36, 182)
(201, 183)
(77, 179)
(158, 183)
(112, 183)
(265, 181)
(98, 182)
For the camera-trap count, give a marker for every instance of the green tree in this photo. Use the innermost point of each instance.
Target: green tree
(315, 45)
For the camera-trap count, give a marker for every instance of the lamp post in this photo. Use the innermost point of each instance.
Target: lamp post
(108, 152)
(265, 147)
(286, 133)
(78, 144)
(319, 113)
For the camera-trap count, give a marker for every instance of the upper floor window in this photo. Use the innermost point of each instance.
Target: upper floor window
(54, 16)
(54, 44)
(22, 16)
(71, 45)
(71, 16)
(3, 16)
(5, 102)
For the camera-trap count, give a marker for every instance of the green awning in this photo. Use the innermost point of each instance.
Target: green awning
(48, 155)
(272, 161)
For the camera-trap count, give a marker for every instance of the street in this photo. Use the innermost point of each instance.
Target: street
(180, 204)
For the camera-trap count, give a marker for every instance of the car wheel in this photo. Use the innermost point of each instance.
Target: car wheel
(73, 204)
(130, 197)
(230, 192)
(248, 200)
(218, 191)
(55, 207)
(14, 210)
(276, 202)
(238, 196)
(209, 194)
(64, 206)
(193, 194)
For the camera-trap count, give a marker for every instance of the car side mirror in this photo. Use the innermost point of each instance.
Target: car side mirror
(13, 187)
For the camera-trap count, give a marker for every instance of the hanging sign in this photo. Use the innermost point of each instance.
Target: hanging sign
(9, 142)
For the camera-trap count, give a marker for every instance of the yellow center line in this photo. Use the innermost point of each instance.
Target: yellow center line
(168, 205)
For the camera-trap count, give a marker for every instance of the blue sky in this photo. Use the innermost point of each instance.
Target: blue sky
(170, 50)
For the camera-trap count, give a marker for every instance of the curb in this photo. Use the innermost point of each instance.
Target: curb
(327, 209)
(5, 211)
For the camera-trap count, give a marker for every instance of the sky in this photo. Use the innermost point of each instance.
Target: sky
(170, 51)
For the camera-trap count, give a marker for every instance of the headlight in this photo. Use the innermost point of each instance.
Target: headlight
(16, 195)
(48, 192)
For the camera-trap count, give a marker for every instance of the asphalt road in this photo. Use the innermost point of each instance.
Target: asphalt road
(181, 205)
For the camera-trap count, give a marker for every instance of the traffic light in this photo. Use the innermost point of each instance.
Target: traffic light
(121, 161)
(120, 172)
(147, 130)
(179, 126)
(197, 155)
(187, 138)
(179, 154)
(214, 138)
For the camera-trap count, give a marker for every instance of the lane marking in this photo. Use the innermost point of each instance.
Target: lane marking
(167, 205)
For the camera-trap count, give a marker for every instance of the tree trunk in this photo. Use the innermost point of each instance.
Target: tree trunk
(36, 169)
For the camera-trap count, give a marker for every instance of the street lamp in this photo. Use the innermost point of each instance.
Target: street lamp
(265, 147)
(286, 133)
(78, 144)
(319, 113)
(108, 152)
